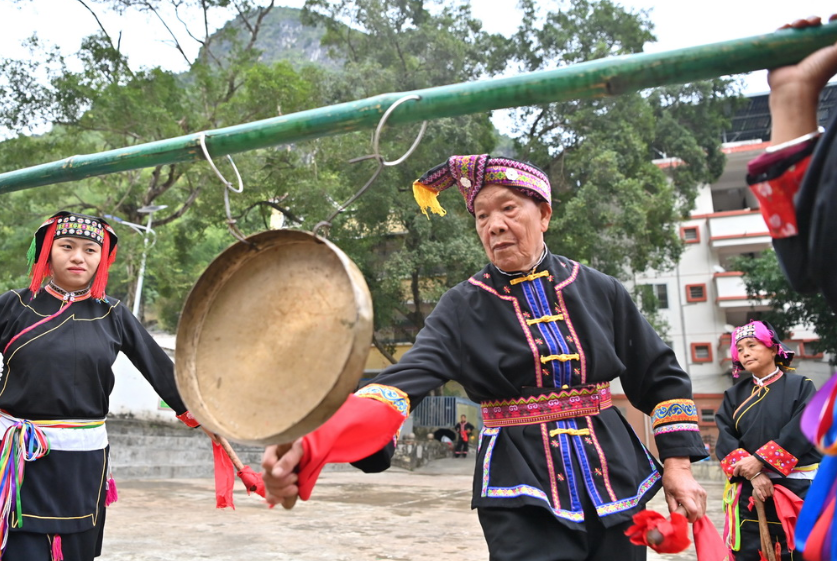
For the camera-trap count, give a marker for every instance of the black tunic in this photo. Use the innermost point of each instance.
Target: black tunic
(764, 422)
(62, 370)
(478, 335)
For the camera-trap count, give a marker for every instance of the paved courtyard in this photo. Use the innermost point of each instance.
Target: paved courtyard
(400, 515)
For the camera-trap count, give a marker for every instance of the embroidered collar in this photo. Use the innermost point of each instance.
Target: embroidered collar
(62, 294)
(543, 256)
(769, 379)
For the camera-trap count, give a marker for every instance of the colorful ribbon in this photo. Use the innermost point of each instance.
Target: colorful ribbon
(815, 535)
(22, 442)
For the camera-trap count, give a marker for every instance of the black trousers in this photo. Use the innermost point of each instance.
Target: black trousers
(80, 546)
(532, 533)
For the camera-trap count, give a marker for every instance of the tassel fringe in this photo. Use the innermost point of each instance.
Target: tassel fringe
(57, 554)
(427, 199)
(100, 282)
(111, 496)
(40, 270)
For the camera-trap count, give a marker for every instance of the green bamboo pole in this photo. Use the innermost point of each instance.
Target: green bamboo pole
(599, 78)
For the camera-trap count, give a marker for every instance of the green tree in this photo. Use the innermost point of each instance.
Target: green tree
(764, 280)
(108, 104)
(385, 46)
(614, 207)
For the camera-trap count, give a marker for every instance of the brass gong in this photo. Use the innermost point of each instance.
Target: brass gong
(273, 337)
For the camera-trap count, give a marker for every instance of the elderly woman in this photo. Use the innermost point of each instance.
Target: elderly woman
(58, 343)
(536, 338)
(760, 443)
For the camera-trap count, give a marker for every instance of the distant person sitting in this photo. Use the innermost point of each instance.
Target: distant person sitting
(463, 430)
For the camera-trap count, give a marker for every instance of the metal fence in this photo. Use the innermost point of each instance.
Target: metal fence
(444, 411)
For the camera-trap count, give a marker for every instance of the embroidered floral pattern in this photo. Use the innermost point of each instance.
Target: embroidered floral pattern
(779, 459)
(393, 397)
(630, 502)
(676, 427)
(675, 411)
(565, 404)
(729, 461)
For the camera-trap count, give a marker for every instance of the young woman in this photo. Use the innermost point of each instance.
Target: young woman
(58, 343)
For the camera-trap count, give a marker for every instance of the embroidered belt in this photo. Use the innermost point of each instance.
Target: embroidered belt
(577, 401)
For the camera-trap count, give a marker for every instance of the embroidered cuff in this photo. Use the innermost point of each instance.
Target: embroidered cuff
(189, 420)
(393, 397)
(729, 461)
(677, 414)
(777, 457)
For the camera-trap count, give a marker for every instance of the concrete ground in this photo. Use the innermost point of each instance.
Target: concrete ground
(398, 515)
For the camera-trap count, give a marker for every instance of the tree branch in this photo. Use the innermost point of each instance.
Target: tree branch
(382, 349)
(171, 33)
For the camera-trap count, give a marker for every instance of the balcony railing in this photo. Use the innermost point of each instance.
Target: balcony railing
(742, 229)
(732, 293)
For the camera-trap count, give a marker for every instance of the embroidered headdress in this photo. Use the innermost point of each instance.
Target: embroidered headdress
(471, 173)
(63, 225)
(764, 333)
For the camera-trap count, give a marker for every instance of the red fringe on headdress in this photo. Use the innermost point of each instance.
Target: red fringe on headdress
(40, 270)
(100, 282)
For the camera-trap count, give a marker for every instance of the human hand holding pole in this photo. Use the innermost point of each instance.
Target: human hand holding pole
(795, 89)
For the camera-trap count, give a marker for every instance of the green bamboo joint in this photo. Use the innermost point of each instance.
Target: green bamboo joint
(599, 78)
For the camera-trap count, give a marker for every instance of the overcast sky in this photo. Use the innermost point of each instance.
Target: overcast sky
(677, 25)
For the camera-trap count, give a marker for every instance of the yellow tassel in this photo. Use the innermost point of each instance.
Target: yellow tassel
(427, 200)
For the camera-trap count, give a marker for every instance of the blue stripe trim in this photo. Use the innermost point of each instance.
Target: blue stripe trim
(572, 486)
(581, 454)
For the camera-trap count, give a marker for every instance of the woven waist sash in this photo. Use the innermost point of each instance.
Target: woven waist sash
(27, 441)
(566, 403)
(74, 435)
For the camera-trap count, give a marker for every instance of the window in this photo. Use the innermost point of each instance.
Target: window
(661, 292)
(696, 293)
(652, 297)
(701, 352)
(810, 349)
(690, 234)
(707, 415)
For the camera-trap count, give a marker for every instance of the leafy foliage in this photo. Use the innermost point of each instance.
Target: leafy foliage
(764, 280)
(614, 208)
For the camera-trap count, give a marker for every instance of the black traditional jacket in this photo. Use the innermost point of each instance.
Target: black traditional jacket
(567, 330)
(764, 422)
(61, 370)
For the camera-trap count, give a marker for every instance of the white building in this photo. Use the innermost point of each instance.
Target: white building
(702, 298)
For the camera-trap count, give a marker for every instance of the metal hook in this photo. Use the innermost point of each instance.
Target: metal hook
(376, 155)
(231, 222)
(376, 139)
(215, 169)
